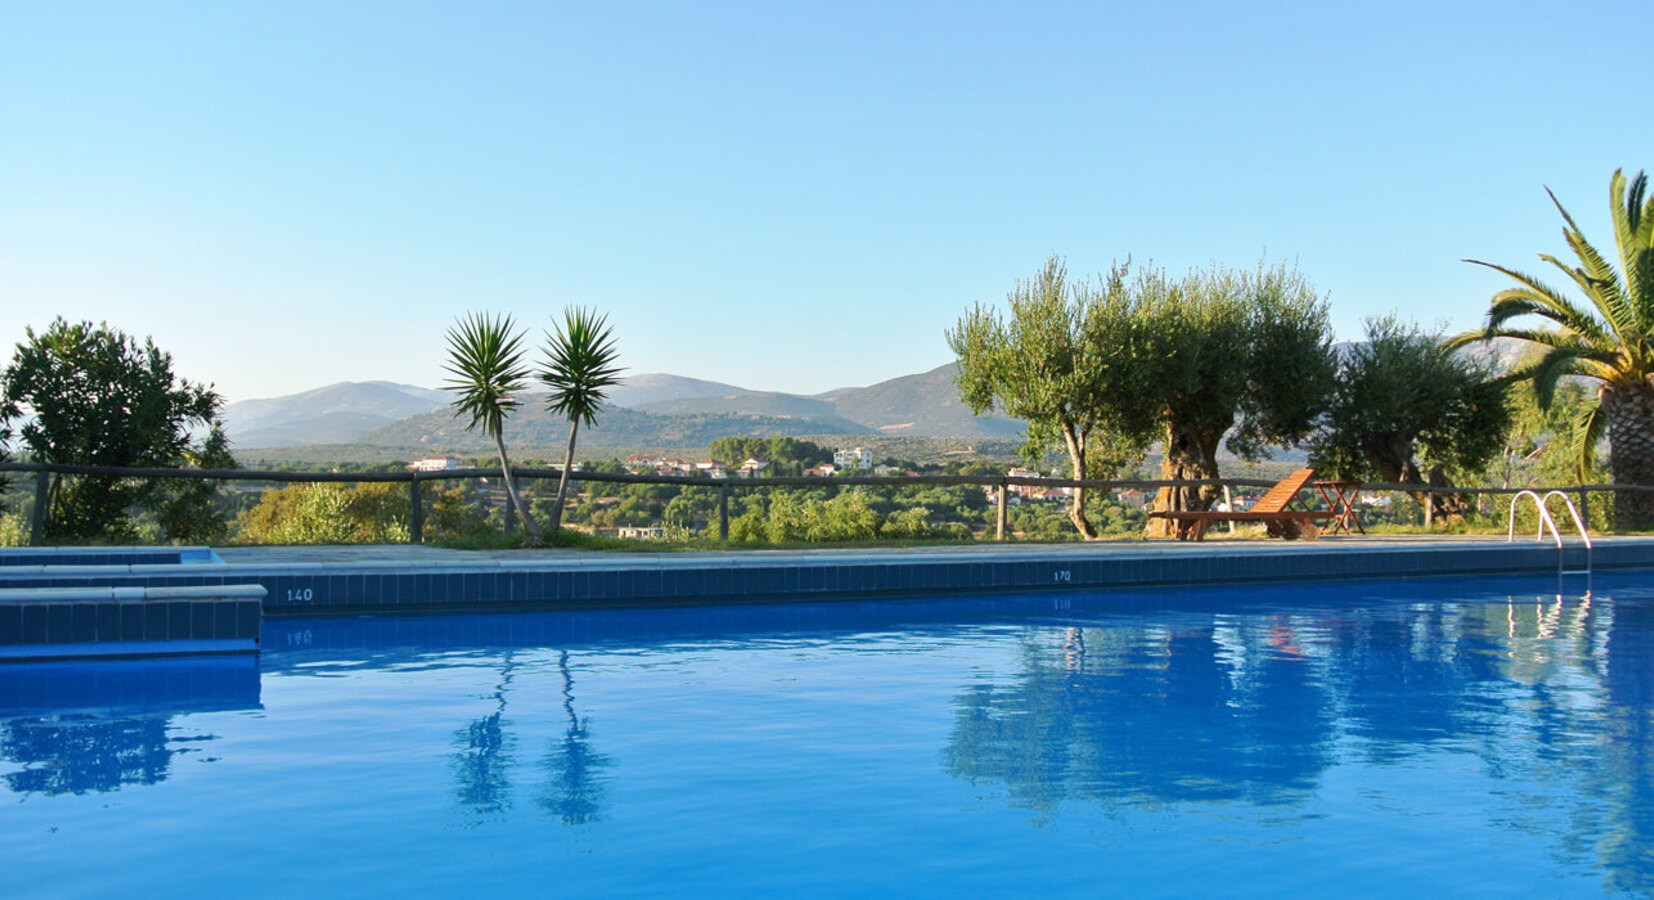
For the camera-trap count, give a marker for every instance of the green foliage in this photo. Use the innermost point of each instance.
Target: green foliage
(580, 365)
(188, 510)
(99, 398)
(485, 362)
(1249, 354)
(786, 455)
(1406, 402)
(372, 513)
(1061, 361)
(14, 532)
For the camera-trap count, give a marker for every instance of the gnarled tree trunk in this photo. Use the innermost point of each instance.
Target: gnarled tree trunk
(1191, 453)
(1629, 411)
(1075, 440)
(1391, 455)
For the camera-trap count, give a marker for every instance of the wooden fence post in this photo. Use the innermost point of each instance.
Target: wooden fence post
(1001, 514)
(37, 521)
(723, 512)
(416, 512)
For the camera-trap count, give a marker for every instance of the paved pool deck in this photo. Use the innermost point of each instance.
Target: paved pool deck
(309, 581)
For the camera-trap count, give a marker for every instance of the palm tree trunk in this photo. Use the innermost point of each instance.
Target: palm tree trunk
(1629, 410)
(533, 538)
(563, 480)
(1191, 453)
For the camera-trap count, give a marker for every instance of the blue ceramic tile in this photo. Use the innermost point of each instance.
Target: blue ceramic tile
(84, 626)
(155, 621)
(35, 624)
(132, 621)
(201, 618)
(60, 624)
(248, 619)
(11, 623)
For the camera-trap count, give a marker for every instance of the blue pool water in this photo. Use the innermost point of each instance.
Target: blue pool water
(1449, 738)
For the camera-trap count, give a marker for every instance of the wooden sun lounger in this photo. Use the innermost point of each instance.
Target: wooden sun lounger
(1271, 509)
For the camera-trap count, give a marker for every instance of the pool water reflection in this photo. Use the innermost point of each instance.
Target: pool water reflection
(1464, 738)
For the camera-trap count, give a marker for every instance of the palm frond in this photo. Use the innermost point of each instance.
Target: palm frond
(1588, 431)
(580, 364)
(1634, 233)
(1545, 301)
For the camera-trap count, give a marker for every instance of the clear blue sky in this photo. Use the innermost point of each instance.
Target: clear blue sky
(784, 196)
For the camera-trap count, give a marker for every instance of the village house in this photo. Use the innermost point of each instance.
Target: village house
(1132, 498)
(443, 463)
(853, 459)
(712, 468)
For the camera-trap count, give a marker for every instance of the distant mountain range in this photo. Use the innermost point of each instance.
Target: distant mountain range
(651, 411)
(647, 411)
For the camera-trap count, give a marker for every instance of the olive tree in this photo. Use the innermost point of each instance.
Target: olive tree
(1062, 362)
(1243, 354)
(1410, 410)
(1143, 356)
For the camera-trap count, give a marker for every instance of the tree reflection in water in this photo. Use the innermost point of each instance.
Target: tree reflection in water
(98, 726)
(83, 754)
(1149, 714)
(1555, 697)
(577, 774)
(482, 764)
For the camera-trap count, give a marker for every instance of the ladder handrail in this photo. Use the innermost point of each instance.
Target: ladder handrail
(1572, 511)
(1544, 519)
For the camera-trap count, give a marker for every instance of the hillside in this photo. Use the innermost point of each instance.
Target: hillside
(657, 387)
(335, 413)
(923, 405)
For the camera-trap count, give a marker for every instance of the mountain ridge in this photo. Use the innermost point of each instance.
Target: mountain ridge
(651, 409)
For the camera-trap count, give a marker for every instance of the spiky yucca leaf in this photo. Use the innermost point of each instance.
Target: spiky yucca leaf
(485, 358)
(580, 365)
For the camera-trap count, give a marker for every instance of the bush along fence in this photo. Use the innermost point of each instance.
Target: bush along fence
(1001, 485)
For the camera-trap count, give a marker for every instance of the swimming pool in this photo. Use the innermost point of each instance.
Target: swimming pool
(1485, 737)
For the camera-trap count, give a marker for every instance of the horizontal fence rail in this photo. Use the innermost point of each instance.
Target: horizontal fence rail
(413, 479)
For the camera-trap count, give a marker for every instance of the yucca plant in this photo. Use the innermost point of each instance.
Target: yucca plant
(1610, 340)
(485, 358)
(579, 371)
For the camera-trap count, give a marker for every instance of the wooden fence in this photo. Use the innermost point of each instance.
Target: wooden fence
(1001, 483)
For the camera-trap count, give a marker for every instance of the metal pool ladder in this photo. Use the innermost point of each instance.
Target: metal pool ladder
(1545, 521)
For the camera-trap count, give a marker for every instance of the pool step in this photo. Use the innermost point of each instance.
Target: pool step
(39, 623)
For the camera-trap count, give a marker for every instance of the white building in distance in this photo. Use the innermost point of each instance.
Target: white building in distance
(853, 459)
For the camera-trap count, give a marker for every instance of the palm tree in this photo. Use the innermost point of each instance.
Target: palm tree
(1611, 341)
(580, 368)
(485, 358)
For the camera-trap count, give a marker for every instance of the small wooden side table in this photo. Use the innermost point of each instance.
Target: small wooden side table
(1340, 497)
